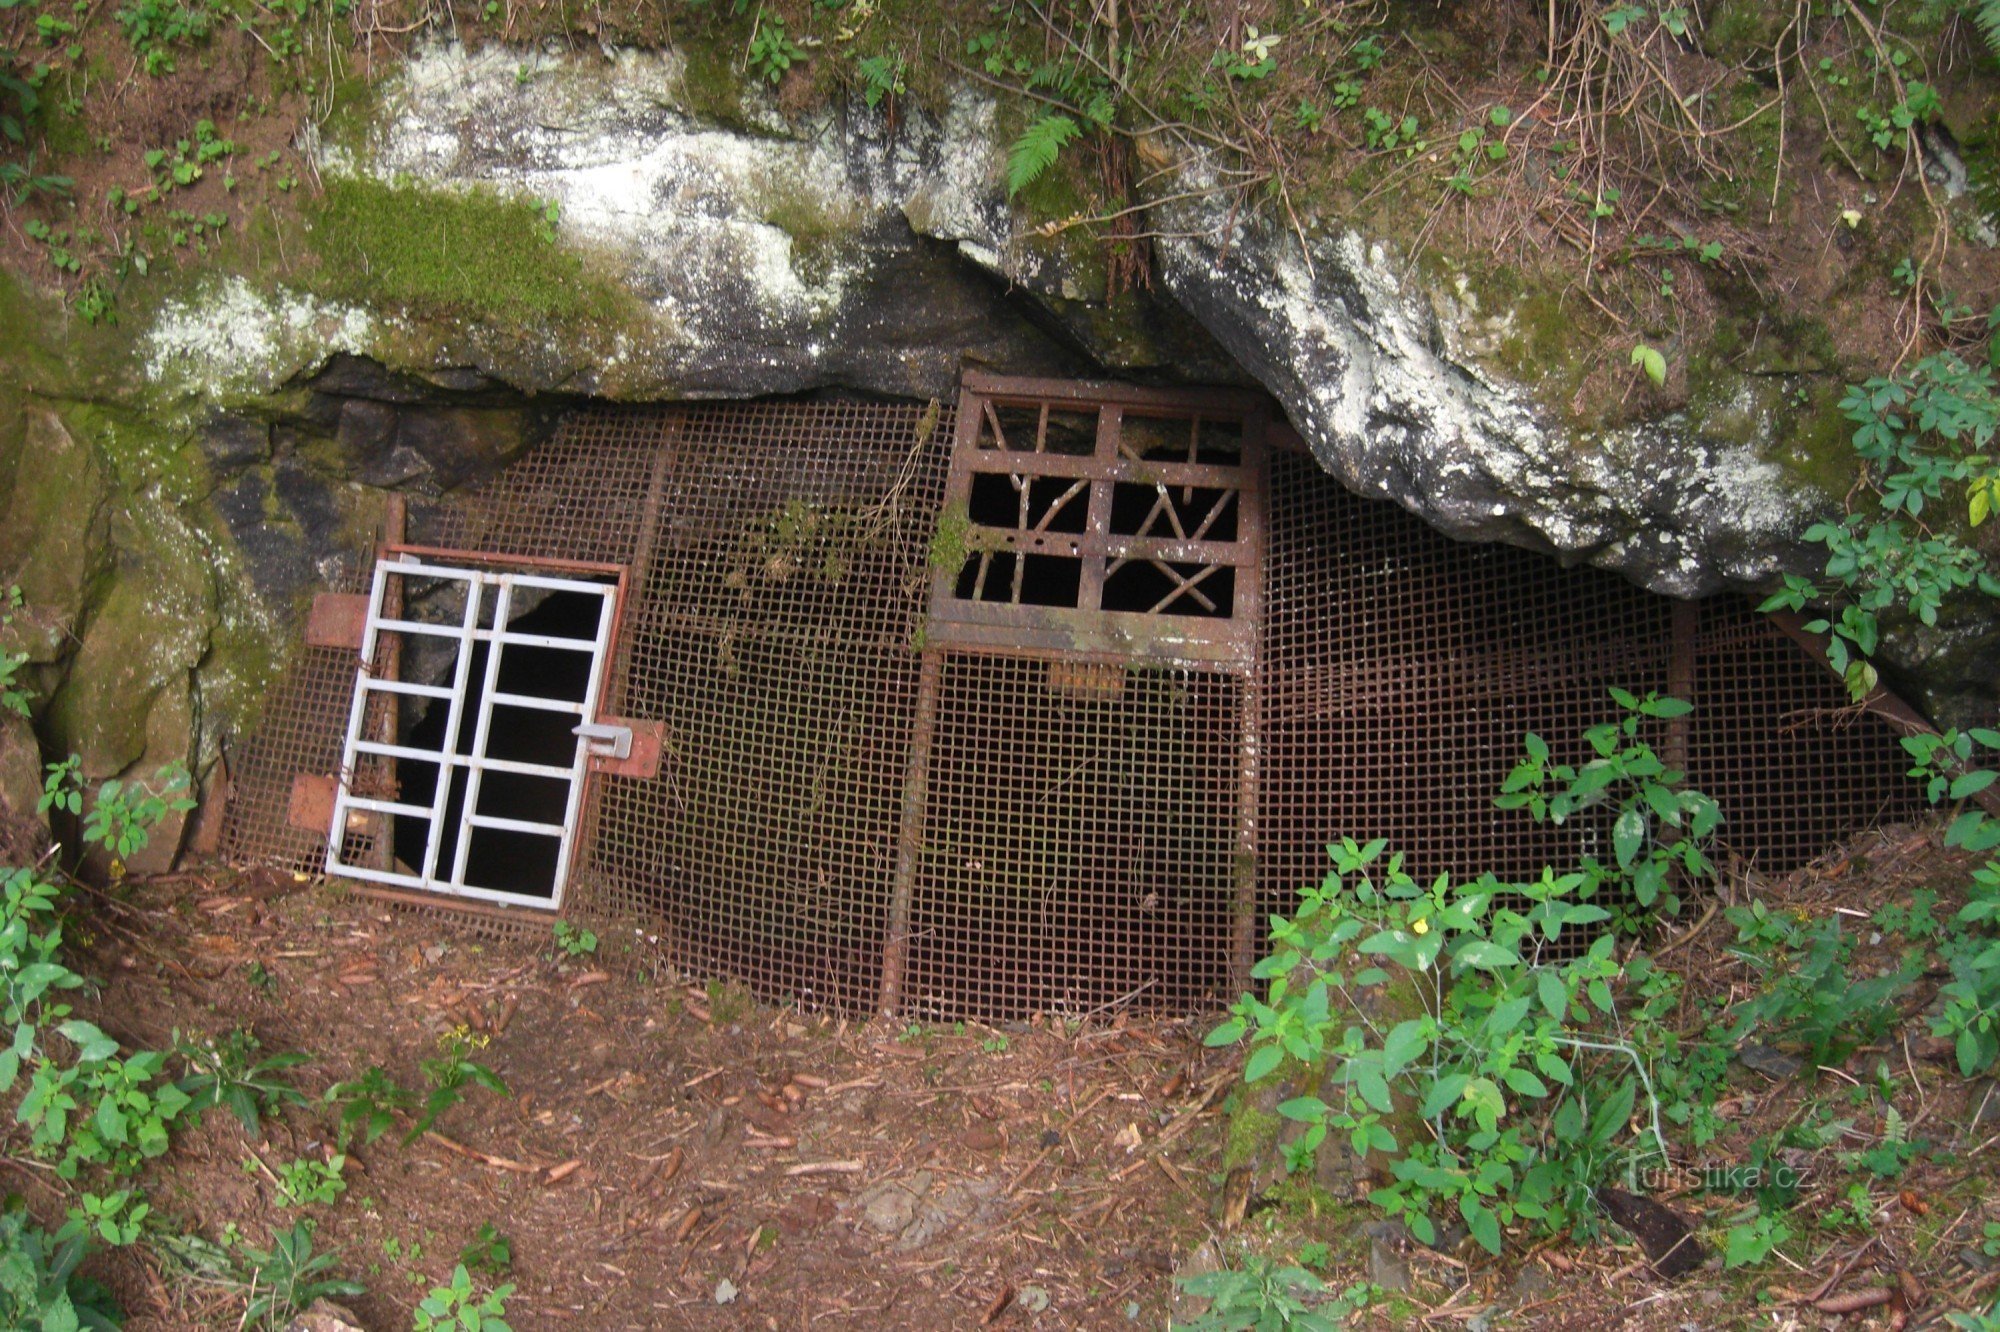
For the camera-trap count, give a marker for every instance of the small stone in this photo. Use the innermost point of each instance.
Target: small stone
(890, 1209)
(324, 1316)
(1772, 1063)
(1388, 1267)
(1188, 1306)
(1034, 1299)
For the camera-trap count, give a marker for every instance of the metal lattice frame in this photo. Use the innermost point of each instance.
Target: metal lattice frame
(876, 794)
(487, 597)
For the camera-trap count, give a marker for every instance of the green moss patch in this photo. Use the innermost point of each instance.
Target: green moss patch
(469, 255)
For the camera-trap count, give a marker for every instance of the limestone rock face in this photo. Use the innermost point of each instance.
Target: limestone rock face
(772, 255)
(753, 252)
(1363, 366)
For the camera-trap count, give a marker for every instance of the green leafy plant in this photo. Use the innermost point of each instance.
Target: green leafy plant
(772, 52)
(307, 1182)
(1650, 360)
(1924, 435)
(881, 77)
(574, 941)
(369, 1104)
(288, 1277)
(227, 1071)
(39, 1284)
(1808, 996)
(1264, 1295)
(1037, 149)
(124, 814)
(488, 1252)
(1659, 827)
(1750, 1240)
(449, 1074)
(155, 27)
(1521, 1064)
(460, 1306)
(116, 1218)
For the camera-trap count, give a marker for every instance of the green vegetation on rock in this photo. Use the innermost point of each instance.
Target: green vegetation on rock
(470, 255)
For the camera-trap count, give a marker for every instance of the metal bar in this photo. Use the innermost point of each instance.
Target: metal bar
(378, 686)
(505, 700)
(507, 825)
(388, 807)
(475, 770)
(607, 622)
(500, 559)
(1031, 392)
(395, 526)
(1131, 471)
(454, 715)
(909, 837)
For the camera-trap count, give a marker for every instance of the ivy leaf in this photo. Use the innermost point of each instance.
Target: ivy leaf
(1627, 835)
(1304, 1109)
(1037, 149)
(1652, 362)
(1479, 1219)
(1263, 1060)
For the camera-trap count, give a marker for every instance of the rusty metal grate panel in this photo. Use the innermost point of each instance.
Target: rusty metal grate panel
(1774, 739)
(869, 798)
(1401, 668)
(1086, 518)
(1079, 840)
(300, 733)
(775, 634)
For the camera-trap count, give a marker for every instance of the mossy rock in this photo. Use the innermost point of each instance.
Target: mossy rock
(52, 544)
(126, 700)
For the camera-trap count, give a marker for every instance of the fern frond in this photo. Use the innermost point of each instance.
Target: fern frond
(1037, 149)
(1985, 15)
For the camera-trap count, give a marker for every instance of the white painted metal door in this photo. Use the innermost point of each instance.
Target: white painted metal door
(490, 604)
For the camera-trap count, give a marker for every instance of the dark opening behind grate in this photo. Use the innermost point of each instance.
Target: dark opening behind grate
(855, 809)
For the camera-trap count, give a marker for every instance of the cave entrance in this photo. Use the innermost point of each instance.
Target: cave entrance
(479, 797)
(1042, 699)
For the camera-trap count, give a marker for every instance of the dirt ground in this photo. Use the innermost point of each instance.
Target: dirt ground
(675, 1155)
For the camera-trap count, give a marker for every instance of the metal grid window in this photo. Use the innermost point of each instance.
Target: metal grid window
(506, 696)
(1101, 519)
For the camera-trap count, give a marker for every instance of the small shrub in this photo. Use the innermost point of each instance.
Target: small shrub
(228, 1072)
(488, 1252)
(449, 1074)
(39, 1284)
(574, 941)
(369, 1103)
(307, 1182)
(460, 1306)
(285, 1279)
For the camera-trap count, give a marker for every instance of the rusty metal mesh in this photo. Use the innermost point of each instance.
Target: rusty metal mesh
(1079, 839)
(1061, 832)
(1401, 669)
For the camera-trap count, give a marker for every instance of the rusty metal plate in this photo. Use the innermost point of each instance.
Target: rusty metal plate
(311, 808)
(338, 620)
